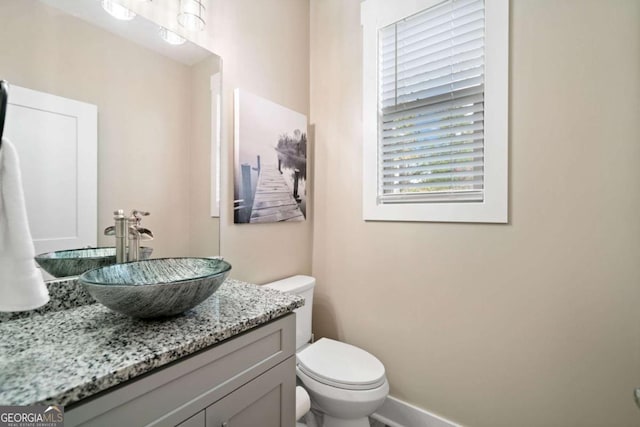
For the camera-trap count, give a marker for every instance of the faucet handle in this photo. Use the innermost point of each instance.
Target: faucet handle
(110, 231)
(144, 233)
(139, 214)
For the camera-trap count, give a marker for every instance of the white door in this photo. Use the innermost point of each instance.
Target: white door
(56, 139)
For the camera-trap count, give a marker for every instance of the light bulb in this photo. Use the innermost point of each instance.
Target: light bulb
(191, 14)
(171, 37)
(117, 10)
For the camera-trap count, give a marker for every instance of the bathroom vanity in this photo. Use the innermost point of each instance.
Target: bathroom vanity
(229, 361)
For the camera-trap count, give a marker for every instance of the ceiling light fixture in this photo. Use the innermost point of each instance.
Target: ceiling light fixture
(191, 14)
(117, 10)
(171, 37)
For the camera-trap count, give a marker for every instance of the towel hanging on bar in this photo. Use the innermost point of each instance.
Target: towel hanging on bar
(21, 285)
(4, 96)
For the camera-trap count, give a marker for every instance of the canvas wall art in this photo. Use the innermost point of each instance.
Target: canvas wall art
(270, 173)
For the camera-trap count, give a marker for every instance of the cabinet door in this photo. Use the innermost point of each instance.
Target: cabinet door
(198, 420)
(266, 401)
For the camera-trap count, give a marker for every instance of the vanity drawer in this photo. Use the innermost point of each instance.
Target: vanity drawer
(172, 394)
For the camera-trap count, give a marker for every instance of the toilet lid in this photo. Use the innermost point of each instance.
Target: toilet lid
(341, 365)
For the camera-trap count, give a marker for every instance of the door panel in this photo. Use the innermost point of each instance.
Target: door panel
(56, 140)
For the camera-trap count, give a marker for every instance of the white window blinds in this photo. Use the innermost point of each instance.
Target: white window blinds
(431, 105)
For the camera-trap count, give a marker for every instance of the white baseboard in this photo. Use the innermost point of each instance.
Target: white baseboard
(396, 413)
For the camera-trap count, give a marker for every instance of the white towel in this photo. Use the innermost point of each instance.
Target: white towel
(21, 284)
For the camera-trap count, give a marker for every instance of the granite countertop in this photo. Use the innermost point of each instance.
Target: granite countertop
(70, 351)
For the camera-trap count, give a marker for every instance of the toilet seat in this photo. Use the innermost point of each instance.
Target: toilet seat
(341, 365)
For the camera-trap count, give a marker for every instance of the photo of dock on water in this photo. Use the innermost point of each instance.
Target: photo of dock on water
(271, 161)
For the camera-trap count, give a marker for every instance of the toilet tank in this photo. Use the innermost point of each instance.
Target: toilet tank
(303, 286)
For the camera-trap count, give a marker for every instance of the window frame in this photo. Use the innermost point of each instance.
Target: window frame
(377, 14)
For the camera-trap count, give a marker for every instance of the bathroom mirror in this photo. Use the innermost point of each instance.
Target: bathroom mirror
(157, 133)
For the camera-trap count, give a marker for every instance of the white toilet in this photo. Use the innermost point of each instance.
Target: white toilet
(346, 384)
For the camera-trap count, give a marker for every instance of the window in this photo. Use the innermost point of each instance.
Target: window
(435, 110)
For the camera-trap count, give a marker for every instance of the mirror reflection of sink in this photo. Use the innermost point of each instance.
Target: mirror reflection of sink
(156, 287)
(76, 261)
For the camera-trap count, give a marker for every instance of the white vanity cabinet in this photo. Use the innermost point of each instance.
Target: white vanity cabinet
(244, 381)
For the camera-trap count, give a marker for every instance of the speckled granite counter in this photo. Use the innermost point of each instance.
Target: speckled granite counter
(61, 357)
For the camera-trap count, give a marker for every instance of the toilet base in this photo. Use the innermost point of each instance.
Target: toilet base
(336, 407)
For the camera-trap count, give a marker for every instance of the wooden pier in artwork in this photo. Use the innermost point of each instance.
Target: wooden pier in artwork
(273, 200)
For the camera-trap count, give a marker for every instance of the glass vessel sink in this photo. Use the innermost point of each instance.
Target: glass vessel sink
(76, 261)
(156, 287)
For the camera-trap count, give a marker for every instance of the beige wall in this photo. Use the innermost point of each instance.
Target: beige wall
(534, 323)
(144, 128)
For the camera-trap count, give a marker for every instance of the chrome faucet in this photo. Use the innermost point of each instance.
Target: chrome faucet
(128, 233)
(136, 234)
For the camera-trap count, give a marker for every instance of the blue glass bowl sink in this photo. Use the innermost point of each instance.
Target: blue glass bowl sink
(76, 261)
(156, 287)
